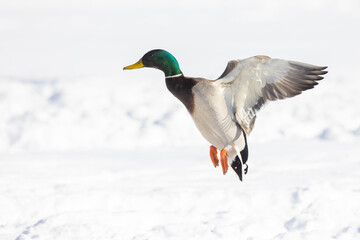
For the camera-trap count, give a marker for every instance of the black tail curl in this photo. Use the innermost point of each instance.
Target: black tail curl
(237, 165)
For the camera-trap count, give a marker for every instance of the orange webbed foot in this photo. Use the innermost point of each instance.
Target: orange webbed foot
(213, 155)
(224, 161)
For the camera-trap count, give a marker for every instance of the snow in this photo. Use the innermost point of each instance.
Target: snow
(305, 192)
(88, 151)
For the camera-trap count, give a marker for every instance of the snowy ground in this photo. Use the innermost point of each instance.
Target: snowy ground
(304, 192)
(88, 151)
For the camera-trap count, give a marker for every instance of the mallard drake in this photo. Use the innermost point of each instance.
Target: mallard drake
(224, 110)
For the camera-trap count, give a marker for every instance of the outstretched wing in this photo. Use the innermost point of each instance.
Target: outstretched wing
(249, 83)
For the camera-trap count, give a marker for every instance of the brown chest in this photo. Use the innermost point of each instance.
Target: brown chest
(181, 88)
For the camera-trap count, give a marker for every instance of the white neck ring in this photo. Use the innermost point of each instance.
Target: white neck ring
(173, 76)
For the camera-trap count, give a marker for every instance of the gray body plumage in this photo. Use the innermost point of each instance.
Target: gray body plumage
(213, 119)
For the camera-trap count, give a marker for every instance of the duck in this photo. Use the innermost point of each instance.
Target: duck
(224, 110)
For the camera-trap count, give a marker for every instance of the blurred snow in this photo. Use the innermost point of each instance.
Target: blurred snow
(63, 88)
(89, 151)
(113, 113)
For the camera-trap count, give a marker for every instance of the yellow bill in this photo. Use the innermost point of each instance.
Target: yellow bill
(139, 64)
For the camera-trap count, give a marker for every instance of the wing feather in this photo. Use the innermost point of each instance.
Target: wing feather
(256, 80)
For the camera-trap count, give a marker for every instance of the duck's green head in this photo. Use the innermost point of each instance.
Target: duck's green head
(159, 59)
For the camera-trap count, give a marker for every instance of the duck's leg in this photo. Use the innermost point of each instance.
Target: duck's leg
(224, 160)
(213, 155)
